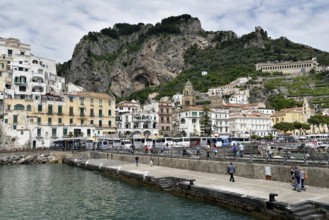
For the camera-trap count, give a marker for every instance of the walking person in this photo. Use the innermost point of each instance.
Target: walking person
(235, 150)
(241, 148)
(136, 160)
(297, 179)
(303, 177)
(231, 171)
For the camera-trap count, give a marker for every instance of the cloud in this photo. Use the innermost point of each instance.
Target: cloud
(53, 28)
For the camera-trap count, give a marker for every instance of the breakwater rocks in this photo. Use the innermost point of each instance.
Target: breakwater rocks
(28, 159)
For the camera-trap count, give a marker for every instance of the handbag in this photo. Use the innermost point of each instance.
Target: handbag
(305, 176)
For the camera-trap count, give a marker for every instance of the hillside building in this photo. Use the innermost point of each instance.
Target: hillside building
(287, 67)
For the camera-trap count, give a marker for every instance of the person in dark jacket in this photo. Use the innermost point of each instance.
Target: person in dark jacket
(231, 171)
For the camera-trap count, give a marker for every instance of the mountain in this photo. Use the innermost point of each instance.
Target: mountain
(132, 60)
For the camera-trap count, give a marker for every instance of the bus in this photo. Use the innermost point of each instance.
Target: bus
(185, 142)
(222, 141)
(168, 141)
(318, 137)
(126, 144)
(116, 143)
(194, 141)
(159, 143)
(103, 144)
(177, 142)
(138, 142)
(240, 140)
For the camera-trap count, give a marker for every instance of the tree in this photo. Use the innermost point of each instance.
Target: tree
(284, 126)
(205, 123)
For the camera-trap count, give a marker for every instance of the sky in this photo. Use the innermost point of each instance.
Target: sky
(54, 27)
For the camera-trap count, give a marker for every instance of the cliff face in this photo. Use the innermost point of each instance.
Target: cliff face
(135, 61)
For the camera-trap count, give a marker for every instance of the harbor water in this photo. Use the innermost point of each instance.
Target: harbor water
(59, 191)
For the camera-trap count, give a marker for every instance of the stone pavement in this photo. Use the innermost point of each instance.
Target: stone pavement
(245, 186)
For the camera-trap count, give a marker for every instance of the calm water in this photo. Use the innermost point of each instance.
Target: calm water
(64, 192)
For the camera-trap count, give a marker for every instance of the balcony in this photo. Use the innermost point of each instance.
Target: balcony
(60, 113)
(71, 114)
(92, 115)
(49, 112)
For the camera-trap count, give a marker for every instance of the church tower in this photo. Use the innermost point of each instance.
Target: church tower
(188, 95)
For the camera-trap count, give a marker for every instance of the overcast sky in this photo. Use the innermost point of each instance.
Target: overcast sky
(54, 27)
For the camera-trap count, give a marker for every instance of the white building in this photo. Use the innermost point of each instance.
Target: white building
(244, 125)
(189, 120)
(220, 121)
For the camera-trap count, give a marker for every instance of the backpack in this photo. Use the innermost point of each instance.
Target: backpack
(234, 148)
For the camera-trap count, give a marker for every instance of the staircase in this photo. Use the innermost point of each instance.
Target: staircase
(307, 211)
(169, 183)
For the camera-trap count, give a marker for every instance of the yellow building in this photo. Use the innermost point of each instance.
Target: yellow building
(298, 114)
(36, 123)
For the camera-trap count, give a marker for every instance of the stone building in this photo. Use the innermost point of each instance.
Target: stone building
(287, 67)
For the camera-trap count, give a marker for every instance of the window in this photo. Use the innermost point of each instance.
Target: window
(40, 108)
(109, 102)
(71, 111)
(39, 121)
(100, 113)
(10, 53)
(88, 132)
(6, 121)
(193, 120)
(49, 121)
(100, 123)
(92, 113)
(91, 122)
(15, 119)
(65, 132)
(82, 101)
(22, 88)
(110, 123)
(81, 121)
(8, 107)
(71, 120)
(59, 121)
(50, 109)
(182, 121)
(91, 101)
(100, 102)
(110, 112)
(71, 99)
(29, 108)
(53, 132)
(19, 107)
(60, 110)
(39, 132)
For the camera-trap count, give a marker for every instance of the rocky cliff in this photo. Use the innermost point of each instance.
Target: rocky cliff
(120, 62)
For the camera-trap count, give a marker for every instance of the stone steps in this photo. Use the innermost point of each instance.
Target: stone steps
(307, 211)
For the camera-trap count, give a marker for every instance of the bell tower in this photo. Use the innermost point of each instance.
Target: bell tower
(188, 95)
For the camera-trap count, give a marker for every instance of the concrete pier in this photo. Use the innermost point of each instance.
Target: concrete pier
(245, 194)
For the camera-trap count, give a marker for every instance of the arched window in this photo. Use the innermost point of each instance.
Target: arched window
(182, 121)
(19, 107)
(168, 128)
(193, 120)
(28, 108)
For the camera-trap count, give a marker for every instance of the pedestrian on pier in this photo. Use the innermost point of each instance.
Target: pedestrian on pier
(231, 171)
(235, 150)
(136, 160)
(241, 149)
